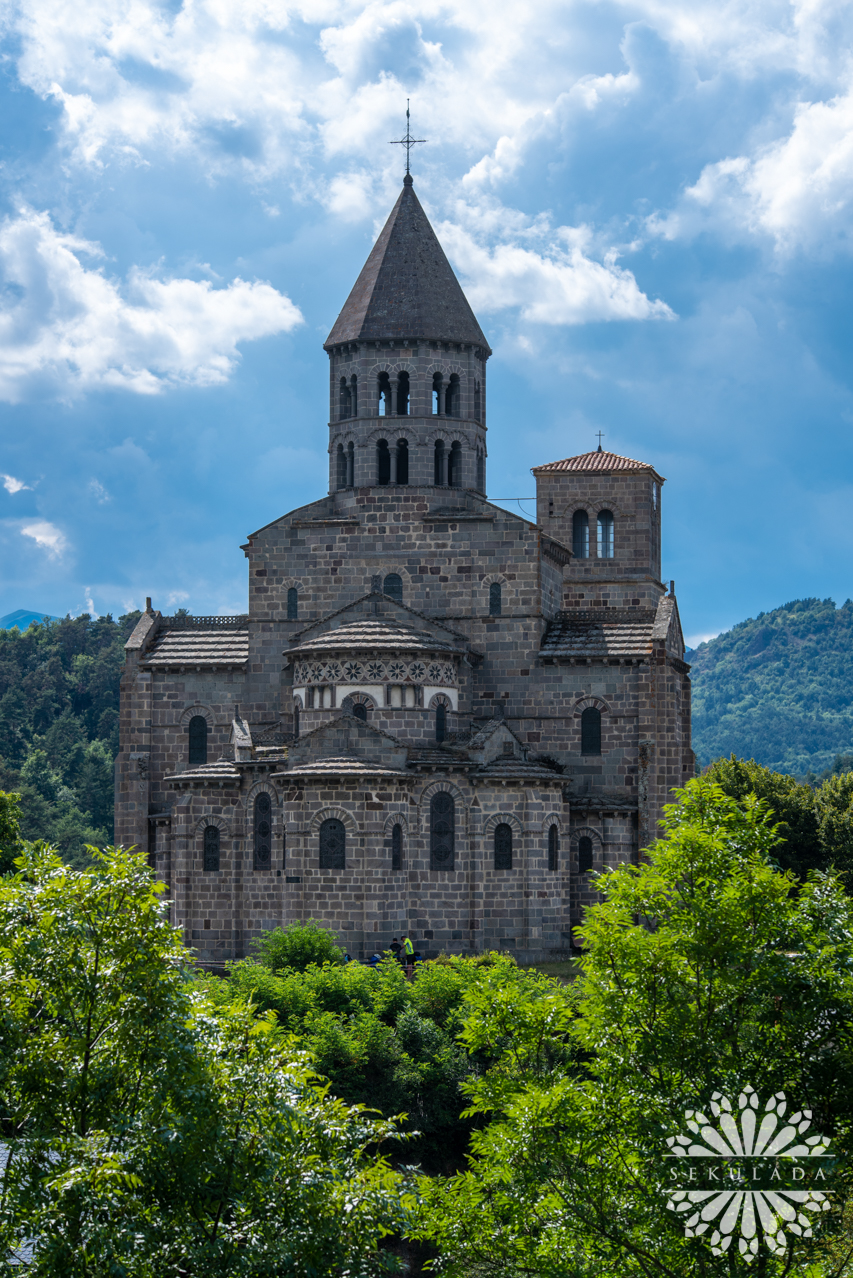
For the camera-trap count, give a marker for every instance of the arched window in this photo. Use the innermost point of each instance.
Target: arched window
(384, 393)
(350, 464)
(591, 731)
(397, 847)
(296, 723)
(402, 461)
(393, 586)
(503, 846)
(451, 396)
(383, 462)
(454, 465)
(442, 831)
(360, 711)
(605, 534)
(580, 534)
(476, 400)
(211, 848)
(584, 853)
(495, 599)
(333, 845)
(403, 395)
(553, 848)
(481, 471)
(292, 604)
(263, 831)
(438, 464)
(436, 395)
(440, 722)
(197, 733)
(345, 409)
(353, 381)
(341, 462)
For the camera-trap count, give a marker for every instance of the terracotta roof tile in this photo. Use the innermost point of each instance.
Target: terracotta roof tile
(595, 461)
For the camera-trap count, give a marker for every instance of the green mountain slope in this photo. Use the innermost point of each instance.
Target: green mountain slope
(778, 688)
(59, 699)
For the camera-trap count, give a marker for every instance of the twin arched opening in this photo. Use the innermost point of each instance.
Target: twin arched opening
(604, 539)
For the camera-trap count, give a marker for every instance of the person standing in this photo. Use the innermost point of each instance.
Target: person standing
(396, 948)
(409, 956)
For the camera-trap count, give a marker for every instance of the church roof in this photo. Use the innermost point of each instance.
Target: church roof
(580, 635)
(203, 646)
(371, 636)
(594, 461)
(407, 288)
(222, 772)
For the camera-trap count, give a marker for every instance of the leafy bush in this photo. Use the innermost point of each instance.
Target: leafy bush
(297, 946)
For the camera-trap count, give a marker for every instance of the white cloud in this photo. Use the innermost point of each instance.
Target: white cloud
(74, 327)
(13, 485)
(693, 641)
(47, 536)
(97, 491)
(90, 603)
(559, 285)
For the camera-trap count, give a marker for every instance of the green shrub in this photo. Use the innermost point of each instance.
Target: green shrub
(297, 946)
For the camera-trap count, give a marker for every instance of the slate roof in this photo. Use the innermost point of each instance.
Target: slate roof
(339, 766)
(513, 768)
(407, 288)
(624, 633)
(223, 772)
(595, 461)
(372, 635)
(202, 647)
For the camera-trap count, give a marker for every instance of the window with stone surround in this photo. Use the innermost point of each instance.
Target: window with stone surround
(211, 849)
(353, 382)
(481, 471)
(383, 462)
(393, 586)
(605, 534)
(333, 845)
(197, 733)
(591, 731)
(584, 853)
(292, 604)
(436, 396)
(341, 464)
(580, 534)
(359, 711)
(350, 464)
(402, 461)
(440, 722)
(397, 847)
(503, 846)
(262, 831)
(345, 408)
(553, 848)
(442, 831)
(383, 390)
(452, 396)
(495, 599)
(438, 463)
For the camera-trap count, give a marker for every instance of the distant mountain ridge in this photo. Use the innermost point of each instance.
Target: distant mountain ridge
(777, 688)
(22, 619)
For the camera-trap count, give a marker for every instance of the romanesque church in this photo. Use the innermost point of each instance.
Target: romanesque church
(436, 717)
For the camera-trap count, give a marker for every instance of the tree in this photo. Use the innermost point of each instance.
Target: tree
(703, 975)
(152, 1131)
(297, 946)
(791, 803)
(10, 830)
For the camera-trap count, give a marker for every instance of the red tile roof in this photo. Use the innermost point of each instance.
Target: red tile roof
(595, 461)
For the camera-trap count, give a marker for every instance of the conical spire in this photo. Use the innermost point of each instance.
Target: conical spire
(407, 288)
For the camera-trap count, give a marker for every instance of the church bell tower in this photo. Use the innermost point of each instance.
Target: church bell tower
(407, 368)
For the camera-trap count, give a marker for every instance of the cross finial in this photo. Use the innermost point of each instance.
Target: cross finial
(600, 434)
(408, 141)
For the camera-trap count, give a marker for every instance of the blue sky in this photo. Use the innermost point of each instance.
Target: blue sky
(649, 205)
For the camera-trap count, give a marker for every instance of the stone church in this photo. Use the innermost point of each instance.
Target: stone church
(436, 717)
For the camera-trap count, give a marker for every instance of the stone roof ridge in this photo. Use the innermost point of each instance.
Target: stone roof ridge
(596, 460)
(335, 723)
(668, 625)
(407, 288)
(380, 595)
(479, 738)
(326, 503)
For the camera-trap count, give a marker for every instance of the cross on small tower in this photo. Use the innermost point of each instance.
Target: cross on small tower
(408, 141)
(600, 434)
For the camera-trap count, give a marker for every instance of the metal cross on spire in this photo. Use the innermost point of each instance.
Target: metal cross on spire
(600, 434)
(408, 141)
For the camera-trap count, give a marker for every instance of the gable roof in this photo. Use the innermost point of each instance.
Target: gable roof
(374, 636)
(381, 604)
(596, 460)
(407, 288)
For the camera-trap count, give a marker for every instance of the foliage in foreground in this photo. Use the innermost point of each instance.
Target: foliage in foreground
(150, 1131)
(703, 973)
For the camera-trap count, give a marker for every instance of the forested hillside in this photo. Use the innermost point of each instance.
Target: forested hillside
(778, 688)
(59, 699)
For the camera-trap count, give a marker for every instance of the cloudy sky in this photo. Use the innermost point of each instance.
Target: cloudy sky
(648, 203)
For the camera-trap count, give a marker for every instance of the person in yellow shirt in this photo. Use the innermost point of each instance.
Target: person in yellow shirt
(409, 956)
